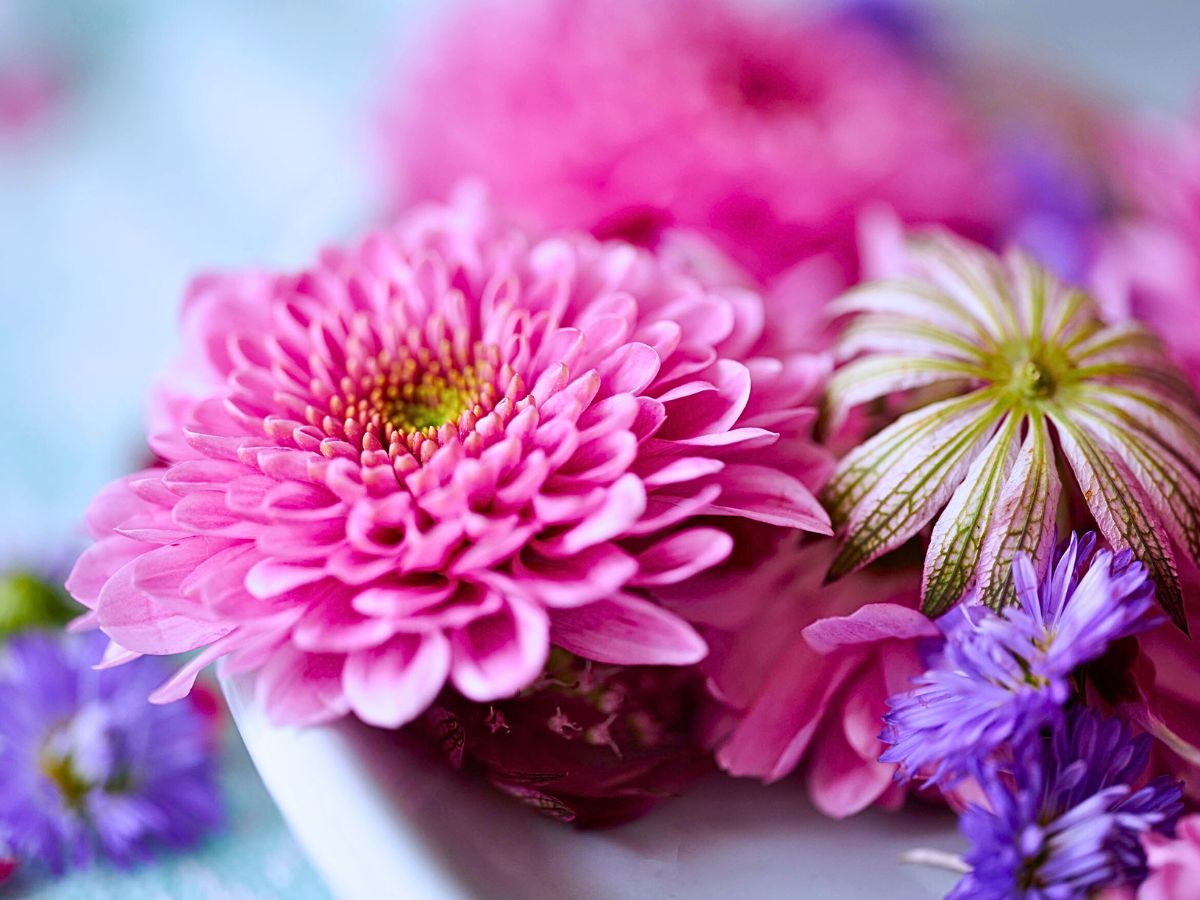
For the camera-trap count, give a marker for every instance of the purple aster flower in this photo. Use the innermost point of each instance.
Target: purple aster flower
(1065, 816)
(1002, 677)
(87, 767)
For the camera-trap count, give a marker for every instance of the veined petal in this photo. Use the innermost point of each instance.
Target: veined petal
(870, 377)
(907, 297)
(884, 334)
(1023, 519)
(952, 560)
(970, 275)
(860, 470)
(1171, 484)
(909, 491)
(1123, 512)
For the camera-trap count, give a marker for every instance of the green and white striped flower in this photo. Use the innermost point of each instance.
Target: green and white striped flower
(1023, 369)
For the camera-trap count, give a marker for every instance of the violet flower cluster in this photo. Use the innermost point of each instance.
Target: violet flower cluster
(1064, 816)
(87, 768)
(1003, 677)
(1063, 809)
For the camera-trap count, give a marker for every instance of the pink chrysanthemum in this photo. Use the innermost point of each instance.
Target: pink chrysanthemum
(434, 453)
(767, 131)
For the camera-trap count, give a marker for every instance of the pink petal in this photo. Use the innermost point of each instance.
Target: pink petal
(182, 682)
(629, 369)
(873, 622)
(390, 685)
(682, 555)
(623, 504)
(98, 563)
(840, 782)
(497, 655)
(627, 630)
(587, 576)
(138, 621)
(768, 495)
(298, 688)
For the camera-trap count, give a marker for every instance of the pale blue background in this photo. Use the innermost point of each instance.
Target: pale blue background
(223, 133)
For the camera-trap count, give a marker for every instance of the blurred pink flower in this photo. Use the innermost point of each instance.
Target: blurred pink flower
(436, 452)
(801, 672)
(30, 88)
(1174, 864)
(767, 131)
(1148, 266)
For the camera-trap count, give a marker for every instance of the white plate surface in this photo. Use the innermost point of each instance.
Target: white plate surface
(383, 820)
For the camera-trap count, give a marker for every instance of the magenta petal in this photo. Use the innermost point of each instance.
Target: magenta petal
(779, 726)
(627, 630)
(768, 495)
(115, 504)
(392, 684)
(298, 688)
(682, 555)
(587, 576)
(623, 504)
(182, 682)
(138, 621)
(840, 782)
(100, 562)
(269, 578)
(497, 655)
(873, 622)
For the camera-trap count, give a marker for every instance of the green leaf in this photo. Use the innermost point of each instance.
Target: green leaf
(957, 540)
(27, 601)
(1123, 512)
(1023, 521)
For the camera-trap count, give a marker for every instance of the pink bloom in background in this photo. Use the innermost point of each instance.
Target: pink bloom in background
(775, 130)
(801, 672)
(1149, 264)
(436, 452)
(30, 87)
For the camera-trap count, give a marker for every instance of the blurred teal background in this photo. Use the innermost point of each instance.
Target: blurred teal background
(183, 136)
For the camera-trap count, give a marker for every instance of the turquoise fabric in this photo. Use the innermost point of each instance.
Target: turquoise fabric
(255, 858)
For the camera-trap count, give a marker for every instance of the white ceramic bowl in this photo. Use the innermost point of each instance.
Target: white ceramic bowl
(382, 819)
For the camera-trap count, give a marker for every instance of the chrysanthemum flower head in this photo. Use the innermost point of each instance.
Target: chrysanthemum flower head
(1001, 677)
(1004, 363)
(87, 767)
(1065, 816)
(431, 454)
(775, 129)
